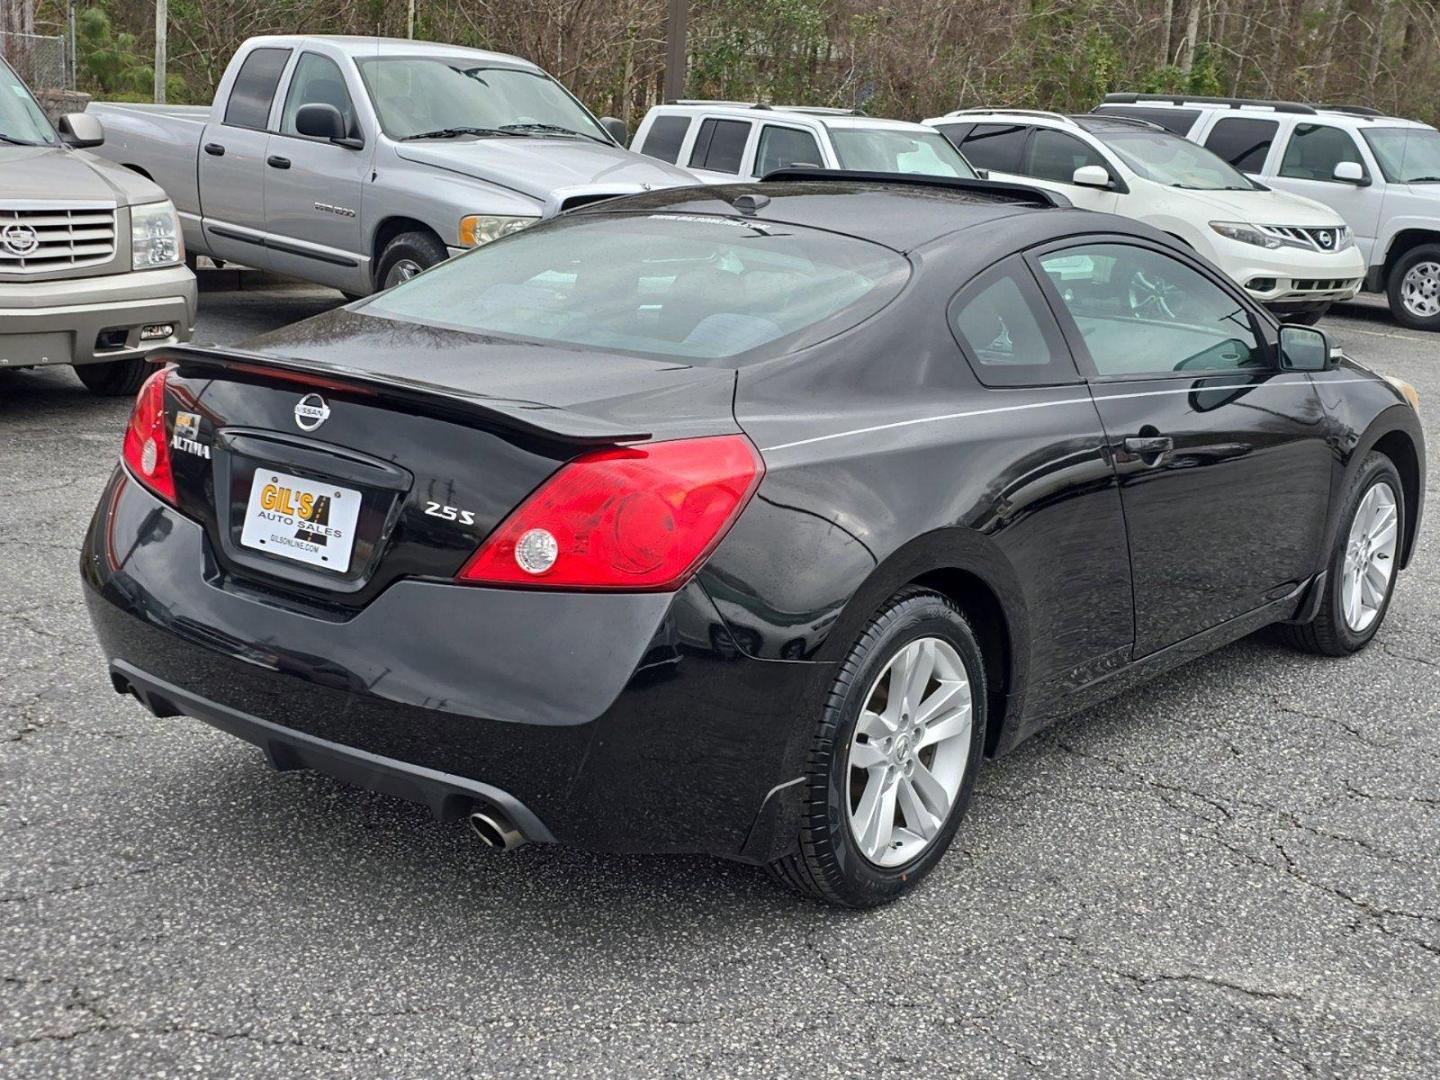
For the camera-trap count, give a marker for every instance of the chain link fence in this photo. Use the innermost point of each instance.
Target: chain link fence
(38, 59)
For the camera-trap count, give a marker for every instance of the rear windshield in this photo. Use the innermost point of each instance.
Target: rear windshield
(692, 287)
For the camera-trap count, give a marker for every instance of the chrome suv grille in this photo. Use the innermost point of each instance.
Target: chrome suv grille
(37, 238)
(1330, 238)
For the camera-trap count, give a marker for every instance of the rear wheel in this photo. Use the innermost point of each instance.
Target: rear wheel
(1413, 288)
(894, 756)
(114, 378)
(407, 255)
(1363, 565)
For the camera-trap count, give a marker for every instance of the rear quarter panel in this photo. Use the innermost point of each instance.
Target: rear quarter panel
(161, 141)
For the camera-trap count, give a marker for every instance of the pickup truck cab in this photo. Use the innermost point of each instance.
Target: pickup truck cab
(1380, 173)
(358, 162)
(91, 265)
(725, 141)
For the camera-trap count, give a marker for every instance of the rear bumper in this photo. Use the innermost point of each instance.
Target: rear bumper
(621, 722)
(61, 321)
(448, 797)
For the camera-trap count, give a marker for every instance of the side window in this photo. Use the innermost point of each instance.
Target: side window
(1144, 313)
(317, 81)
(1315, 149)
(955, 133)
(1243, 142)
(995, 146)
(1007, 332)
(720, 145)
(254, 89)
(1055, 155)
(781, 147)
(663, 139)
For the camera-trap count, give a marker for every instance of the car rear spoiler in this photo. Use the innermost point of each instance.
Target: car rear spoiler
(998, 190)
(530, 418)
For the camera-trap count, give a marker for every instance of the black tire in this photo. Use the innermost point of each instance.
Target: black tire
(1305, 316)
(114, 378)
(1403, 265)
(423, 249)
(829, 865)
(1328, 633)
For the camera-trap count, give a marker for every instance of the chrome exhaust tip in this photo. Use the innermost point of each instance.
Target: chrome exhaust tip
(495, 830)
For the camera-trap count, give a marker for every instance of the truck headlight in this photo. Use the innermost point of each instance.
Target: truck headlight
(1246, 234)
(478, 229)
(155, 238)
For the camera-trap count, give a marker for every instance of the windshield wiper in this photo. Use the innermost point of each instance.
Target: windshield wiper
(17, 142)
(1423, 180)
(453, 132)
(549, 129)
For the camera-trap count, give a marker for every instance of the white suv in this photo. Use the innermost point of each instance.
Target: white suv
(725, 141)
(1290, 253)
(1380, 173)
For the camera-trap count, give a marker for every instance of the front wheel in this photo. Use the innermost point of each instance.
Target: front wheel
(1413, 288)
(407, 255)
(1363, 565)
(114, 378)
(894, 756)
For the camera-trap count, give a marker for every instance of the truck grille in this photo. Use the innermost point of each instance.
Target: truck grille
(37, 238)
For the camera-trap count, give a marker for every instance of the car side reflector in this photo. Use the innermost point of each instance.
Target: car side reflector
(638, 518)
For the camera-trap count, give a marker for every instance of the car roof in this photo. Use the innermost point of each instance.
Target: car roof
(1358, 117)
(1091, 122)
(899, 215)
(362, 48)
(808, 116)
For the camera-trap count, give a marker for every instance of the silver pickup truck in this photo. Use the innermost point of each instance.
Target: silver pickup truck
(91, 264)
(358, 162)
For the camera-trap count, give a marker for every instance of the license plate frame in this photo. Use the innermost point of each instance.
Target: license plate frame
(301, 520)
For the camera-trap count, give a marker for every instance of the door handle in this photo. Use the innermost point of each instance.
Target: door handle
(1149, 448)
(214, 149)
(276, 162)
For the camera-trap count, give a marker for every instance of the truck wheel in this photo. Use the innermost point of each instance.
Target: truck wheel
(407, 255)
(893, 757)
(114, 378)
(1414, 288)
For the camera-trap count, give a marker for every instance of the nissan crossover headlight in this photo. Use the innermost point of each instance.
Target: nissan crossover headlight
(155, 238)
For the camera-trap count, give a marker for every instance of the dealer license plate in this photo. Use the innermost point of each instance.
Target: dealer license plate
(303, 520)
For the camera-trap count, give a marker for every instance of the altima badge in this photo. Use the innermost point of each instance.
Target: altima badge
(310, 412)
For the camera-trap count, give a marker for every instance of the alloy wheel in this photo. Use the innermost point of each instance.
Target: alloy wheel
(403, 270)
(1420, 290)
(1370, 557)
(908, 754)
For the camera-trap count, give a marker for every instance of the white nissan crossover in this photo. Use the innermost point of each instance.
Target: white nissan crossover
(1292, 254)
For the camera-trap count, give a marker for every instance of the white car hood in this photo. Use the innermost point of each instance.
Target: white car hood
(1264, 207)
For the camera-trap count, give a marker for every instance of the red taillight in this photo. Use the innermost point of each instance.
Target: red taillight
(146, 449)
(641, 518)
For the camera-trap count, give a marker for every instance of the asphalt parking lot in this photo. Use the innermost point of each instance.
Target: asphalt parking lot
(1233, 872)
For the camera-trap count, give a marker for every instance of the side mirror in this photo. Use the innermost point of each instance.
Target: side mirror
(616, 129)
(1304, 348)
(80, 130)
(320, 121)
(1091, 176)
(1351, 172)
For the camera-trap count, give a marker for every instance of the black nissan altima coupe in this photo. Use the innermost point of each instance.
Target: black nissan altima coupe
(743, 520)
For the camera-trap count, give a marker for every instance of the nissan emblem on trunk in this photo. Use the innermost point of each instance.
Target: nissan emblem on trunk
(310, 412)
